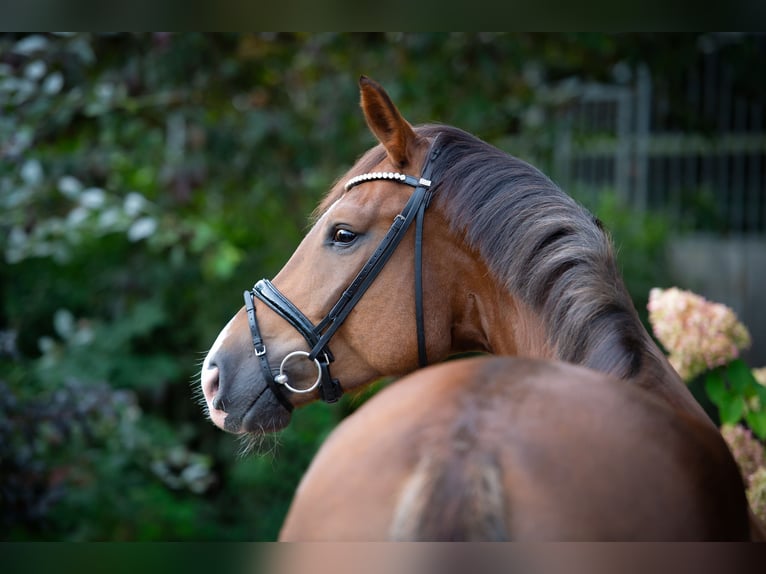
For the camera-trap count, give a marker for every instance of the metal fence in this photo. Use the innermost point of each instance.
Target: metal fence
(615, 136)
(710, 181)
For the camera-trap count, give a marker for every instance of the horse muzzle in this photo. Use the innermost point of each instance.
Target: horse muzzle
(236, 395)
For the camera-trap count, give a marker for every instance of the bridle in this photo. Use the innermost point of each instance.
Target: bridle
(318, 336)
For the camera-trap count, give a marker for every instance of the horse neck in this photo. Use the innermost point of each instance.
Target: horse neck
(620, 347)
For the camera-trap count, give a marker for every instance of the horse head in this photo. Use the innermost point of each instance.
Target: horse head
(378, 334)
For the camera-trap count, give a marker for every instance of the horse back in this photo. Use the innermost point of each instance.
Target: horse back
(519, 449)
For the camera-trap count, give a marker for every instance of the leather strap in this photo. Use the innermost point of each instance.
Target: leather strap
(268, 293)
(419, 320)
(260, 353)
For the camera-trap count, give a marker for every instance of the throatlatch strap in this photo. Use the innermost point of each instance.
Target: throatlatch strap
(419, 319)
(419, 322)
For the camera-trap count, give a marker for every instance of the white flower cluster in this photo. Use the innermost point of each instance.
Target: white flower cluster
(698, 334)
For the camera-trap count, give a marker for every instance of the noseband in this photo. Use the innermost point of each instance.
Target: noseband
(318, 336)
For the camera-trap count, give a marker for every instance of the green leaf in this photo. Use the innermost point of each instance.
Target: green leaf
(715, 387)
(757, 423)
(731, 409)
(740, 376)
(760, 391)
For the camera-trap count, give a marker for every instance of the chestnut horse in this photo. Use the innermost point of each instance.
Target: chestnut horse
(433, 243)
(501, 448)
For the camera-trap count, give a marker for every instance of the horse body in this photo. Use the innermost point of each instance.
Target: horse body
(509, 448)
(511, 266)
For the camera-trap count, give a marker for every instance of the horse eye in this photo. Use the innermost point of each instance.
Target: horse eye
(343, 236)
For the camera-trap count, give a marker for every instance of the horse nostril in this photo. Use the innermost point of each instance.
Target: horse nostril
(210, 387)
(214, 381)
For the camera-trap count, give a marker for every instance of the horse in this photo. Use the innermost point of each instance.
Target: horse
(509, 448)
(504, 263)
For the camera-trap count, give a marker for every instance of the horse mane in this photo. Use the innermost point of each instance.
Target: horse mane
(539, 242)
(543, 246)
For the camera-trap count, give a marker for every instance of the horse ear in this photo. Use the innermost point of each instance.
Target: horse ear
(388, 125)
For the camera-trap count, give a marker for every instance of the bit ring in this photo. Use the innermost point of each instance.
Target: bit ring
(282, 379)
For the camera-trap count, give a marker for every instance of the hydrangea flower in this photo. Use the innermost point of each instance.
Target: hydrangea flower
(747, 451)
(760, 375)
(756, 494)
(698, 334)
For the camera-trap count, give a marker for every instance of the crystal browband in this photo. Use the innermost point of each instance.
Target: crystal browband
(408, 179)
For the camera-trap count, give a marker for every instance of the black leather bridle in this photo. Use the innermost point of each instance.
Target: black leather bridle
(318, 336)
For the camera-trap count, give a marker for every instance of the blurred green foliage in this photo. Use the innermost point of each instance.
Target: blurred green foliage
(639, 240)
(145, 180)
(738, 395)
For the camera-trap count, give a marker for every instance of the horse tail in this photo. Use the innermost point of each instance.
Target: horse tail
(458, 499)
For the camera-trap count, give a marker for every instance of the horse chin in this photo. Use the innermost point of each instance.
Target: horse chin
(266, 415)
